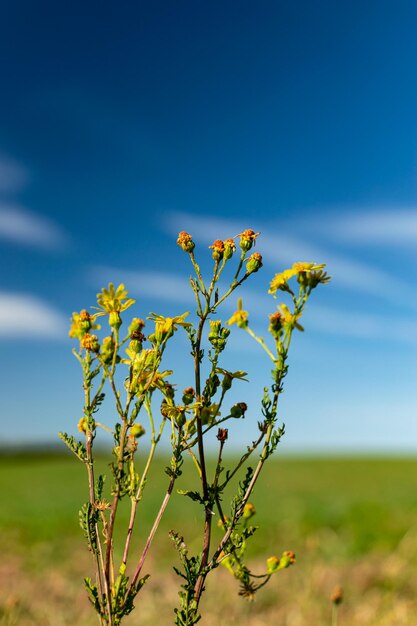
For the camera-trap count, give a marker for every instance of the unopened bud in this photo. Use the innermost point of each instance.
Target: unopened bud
(247, 239)
(218, 249)
(188, 396)
(337, 595)
(85, 320)
(137, 430)
(239, 409)
(136, 326)
(275, 323)
(254, 263)
(229, 248)
(222, 434)
(185, 242)
(90, 343)
(248, 510)
(115, 320)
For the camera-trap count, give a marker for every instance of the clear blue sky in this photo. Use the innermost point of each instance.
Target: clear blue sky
(121, 124)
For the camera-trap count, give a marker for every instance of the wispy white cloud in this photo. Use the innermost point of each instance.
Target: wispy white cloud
(168, 286)
(24, 316)
(13, 175)
(387, 226)
(152, 284)
(19, 225)
(281, 249)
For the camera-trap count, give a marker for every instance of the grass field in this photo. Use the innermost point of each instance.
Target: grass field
(351, 522)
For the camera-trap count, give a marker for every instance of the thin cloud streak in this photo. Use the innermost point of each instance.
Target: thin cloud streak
(147, 283)
(393, 227)
(172, 287)
(21, 226)
(25, 316)
(282, 251)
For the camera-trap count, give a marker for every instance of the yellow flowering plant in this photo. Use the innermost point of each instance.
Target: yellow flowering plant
(188, 418)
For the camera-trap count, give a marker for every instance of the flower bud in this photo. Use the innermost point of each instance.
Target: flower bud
(188, 396)
(185, 242)
(218, 250)
(248, 510)
(135, 345)
(272, 564)
(82, 425)
(247, 239)
(229, 248)
(107, 349)
(238, 410)
(85, 321)
(137, 430)
(254, 263)
(222, 434)
(287, 559)
(337, 595)
(136, 326)
(90, 343)
(180, 418)
(275, 323)
(115, 320)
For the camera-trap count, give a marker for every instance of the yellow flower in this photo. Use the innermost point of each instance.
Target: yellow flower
(280, 281)
(113, 300)
(248, 510)
(166, 326)
(239, 317)
(306, 267)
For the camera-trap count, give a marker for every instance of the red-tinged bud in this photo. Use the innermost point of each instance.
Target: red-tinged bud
(218, 249)
(337, 595)
(222, 434)
(188, 396)
(247, 239)
(254, 263)
(185, 242)
(90, 343)
(229, 248)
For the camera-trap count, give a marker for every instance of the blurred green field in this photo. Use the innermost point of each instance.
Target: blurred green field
(351, 522)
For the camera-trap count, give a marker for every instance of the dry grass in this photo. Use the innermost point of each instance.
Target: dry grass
(351, 523)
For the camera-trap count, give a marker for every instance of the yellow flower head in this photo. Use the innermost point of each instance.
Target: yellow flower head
(113, 300)
(166, 326)
(306, 267)
(239, 317)
(248, 510)
(280, 281)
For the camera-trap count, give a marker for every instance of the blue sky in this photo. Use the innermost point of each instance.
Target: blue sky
(122, 125)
